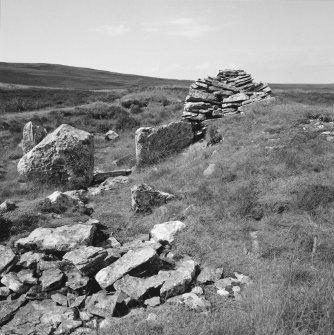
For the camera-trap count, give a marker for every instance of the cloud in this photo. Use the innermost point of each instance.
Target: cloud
(113, 30)
(182, 26)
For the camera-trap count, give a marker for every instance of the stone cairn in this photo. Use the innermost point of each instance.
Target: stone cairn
(225, 94)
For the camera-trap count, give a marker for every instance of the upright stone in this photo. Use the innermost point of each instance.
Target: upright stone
(32, 135)
(153, 144)
(64, 157)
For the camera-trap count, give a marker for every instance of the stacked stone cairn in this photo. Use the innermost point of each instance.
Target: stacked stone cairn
(225, 94)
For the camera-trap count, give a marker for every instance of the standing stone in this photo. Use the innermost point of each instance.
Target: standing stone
(32, 135)
(65, 157)
(153, 144)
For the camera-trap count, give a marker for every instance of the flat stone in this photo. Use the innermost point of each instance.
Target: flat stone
(47, 265)
(102, 304)
(30, 258)
(239, 97)
(165, 232)
(51, 279)
(85, 316)
(12, 281)
(179, 279)
(132, 259)
(191, 300)
(67, 327)
(63, 238)
(7, 257)
(87, 260)
(209, 274)
(9, 308)
(75, 301)
(38, 317)
(26, 276)
(152, 302)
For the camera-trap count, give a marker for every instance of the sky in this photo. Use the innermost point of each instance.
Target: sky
(277, 41)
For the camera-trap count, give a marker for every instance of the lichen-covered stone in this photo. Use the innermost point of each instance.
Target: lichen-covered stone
(153, 144)
(64, 157)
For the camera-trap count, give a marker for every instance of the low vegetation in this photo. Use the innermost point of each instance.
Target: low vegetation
(273, 175)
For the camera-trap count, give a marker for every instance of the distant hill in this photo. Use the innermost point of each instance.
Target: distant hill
(62, 76)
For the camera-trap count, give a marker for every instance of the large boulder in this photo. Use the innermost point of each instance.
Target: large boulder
(153, 144)
(32, 135)
(65, 157)
(144, 197)
(131, 260)
(64, 238)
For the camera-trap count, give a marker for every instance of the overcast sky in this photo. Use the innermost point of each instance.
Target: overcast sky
(276, 41)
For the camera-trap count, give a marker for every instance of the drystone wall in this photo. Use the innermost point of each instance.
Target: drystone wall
(225, 94)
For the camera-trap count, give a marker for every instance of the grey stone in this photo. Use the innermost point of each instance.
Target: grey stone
(87, 260)
(9, 308)
(7, 257)
(210, 274)
(12, 281)
(165, 232)
(32, 135)
(26, 276)
(63, 238)
(192, 301)
(39, 318)
(144, 197)
(153, 144)
(30, 258)
(7, 206)
(64, 157)
(210, 170)
(132, 259)
(111, 136)
(152, 302)
(75, 280)
(4, 292)
(102, 304)
(239, 97)
(100, 177)
(59, 299)
(51, 279)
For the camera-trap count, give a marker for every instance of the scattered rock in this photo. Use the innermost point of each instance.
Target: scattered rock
(111, 136)
(32, 135)
(152, 317)
(100, 177)
(191, 300)
(209, 275)
(64, 238)
(67, 326)
(7, 257)
(153, 144)
(179, 279)
(4, 292)
(144, 197)
(165, 232)
(12, 281)
(26, 276)
(9, 308)
(87, 260)
(197, 290)
(113, 242)
(64, 157)
(30, 259)
(38, 317)
(102, 304)
(7, 206)
(111, 183)
(75, 280)
(59, 299)
(132, 259)
(210, 170)
(51, 279)
(152, 302)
